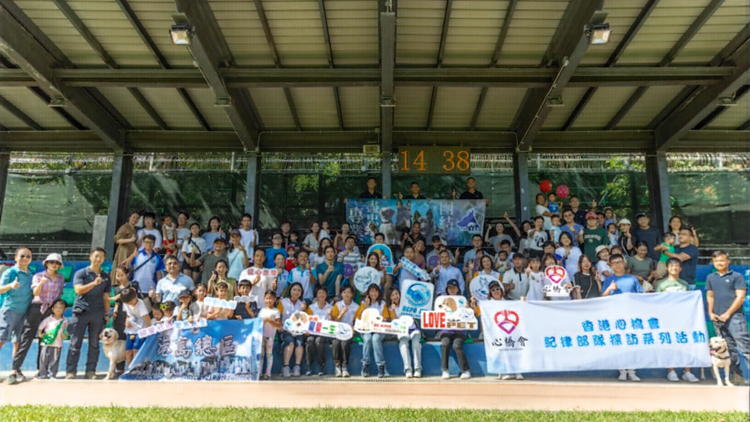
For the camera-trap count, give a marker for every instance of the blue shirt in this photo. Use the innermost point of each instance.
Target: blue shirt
(271, 253)
(688, 267)
(17, 300)
(573, 232)
(446, 274)
(145, 267)
(210, 238)
(170, 289)
(725, 290)
(330, 283)
(625, 284)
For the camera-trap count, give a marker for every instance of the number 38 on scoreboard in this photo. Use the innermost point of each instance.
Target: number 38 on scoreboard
(434, 160)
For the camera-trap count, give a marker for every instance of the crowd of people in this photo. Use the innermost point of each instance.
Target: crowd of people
(164, 273)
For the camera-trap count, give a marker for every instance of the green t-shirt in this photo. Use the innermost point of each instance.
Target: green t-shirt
(664, 257)
(640, 268)
(667, 285)
(592, 238)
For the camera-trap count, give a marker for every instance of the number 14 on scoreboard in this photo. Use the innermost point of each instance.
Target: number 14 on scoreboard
(434, 160)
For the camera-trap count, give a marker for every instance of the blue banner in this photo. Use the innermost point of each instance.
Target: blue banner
(454, 221)
(222, 351)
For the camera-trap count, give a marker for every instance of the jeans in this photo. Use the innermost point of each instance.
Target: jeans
(341, 350)
(77, 329)
(735, 333)
(34, 317)
(416, 347)
(315, 347)
(458, 346)
(373, 341)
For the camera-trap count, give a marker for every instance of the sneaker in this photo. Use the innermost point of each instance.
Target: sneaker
(20, 377)
(286, 373)
(90, 375)
(267, 376)
(70, 376)
(623, 375)
(345, 372)
(446, 375)
(506, 377)
(688, 376)
(418, 373)
(519, 377)
(12, 379)
(338, 371)
(408, 373)
(381, 371)
(365, 370)
(321, 372)
(465, 375)
(632, 376)
(42, 377)
(672, 376)
(308, 373)
(296, 372)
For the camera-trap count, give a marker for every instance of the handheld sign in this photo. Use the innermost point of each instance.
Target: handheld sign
(364, 277)
(384, 252)
(416, 296)
(479, 286)
(450, 313)
(557, 275)
(300, 323)
(220, 303)
(180, 325)
(261, 271)
(434, 261)
(245, 299)
(414, 269)
(372, 322)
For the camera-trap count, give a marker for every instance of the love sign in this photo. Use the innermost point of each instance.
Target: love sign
(556, 274)
(301, 323)
(450, 313)
(558, 278)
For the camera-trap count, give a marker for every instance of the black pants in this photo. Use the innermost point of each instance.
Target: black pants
(315, 347)
(94, 321)
(34, 317)
(458, 346)
(341, 350)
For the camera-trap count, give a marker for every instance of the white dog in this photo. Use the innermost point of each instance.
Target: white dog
(720, 359)
(114, 350)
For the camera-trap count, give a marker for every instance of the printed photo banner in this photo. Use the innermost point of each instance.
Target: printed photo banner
(371, 321)
(414, 269)
(300, 323)
(450, 313)
(416, 297)
(180, 325)
(558, 278)
(220, 351)
(454, 221)
(657, 330)
(480, 286)
(385, 253)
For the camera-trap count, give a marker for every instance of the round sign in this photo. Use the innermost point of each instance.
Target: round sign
(418, 295)
(364, 277)
(384, 252)
(556, 274)
(479, 286)
(434, 261)
(348, 270)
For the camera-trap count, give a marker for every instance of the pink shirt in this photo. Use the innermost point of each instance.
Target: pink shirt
(49, 324)
(51, 291)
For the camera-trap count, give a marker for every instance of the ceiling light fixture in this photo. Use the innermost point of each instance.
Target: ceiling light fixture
(181, 34)
(598, 33)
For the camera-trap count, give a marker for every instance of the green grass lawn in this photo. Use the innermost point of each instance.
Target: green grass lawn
(94, 414)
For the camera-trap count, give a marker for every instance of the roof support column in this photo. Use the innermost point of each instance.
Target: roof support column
(658, 189)
(4, 168)
(119, 200)
(521, 186)
(252, 186)
(387, 65)
(385, 161)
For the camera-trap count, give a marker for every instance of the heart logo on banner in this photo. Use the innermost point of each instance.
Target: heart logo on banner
(556, 273)
(509, 322)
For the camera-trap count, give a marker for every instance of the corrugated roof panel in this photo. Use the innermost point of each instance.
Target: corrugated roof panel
(241, 27)
(285, 19)
(204, 99)
(559, 115)
(412, 107)
(733, 116)
(454, 107)
(273, 108)
(156, 18)
(499, 108)
(49, 19)
(33, 107)
(531, 19)
(602, 107)
(316, 108)
(716, 33)
(171, 108)
(359, 106)
(10, 121)
(353, 28)
(418, 31)
(130, 108)
(473, 50)
(651, 104)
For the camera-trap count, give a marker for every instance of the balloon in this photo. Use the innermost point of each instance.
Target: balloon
(562, 191)
(545, 186)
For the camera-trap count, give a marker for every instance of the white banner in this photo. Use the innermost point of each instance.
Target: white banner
(628, 331)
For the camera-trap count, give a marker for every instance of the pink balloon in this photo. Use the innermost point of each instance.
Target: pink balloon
(562, 191)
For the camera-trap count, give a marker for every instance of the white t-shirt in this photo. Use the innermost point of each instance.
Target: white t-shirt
(155, 232)
(170, 230)
(288, 308)
(321, 313)
(181, 235)
(603, 266)
(312, 242)
(540, 210)
(537, 240)
(351, 311)
(247, 239)
(571, 263)
(536, 285)
(259, 289)
(135, 316)
(188, 246)
(49, 324)
(269, 331)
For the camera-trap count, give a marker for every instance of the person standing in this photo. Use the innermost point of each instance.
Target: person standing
(168, 289)
(371, 193)
(687, 253)
(90, 311)
(15, 290)
(125, 238)
(650, 235)
(471, 191)
(47, 288)
(414, 192)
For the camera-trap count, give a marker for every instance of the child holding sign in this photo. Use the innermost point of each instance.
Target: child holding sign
(373, 300)
(393, 300)
(316, 345)
(455, 337)
(291, 343)
(245, 310)
(137, 318)
(343, 311)
(220, 314)
(271, 324)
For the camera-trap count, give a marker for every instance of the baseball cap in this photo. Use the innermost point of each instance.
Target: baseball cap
(641, 214)
(185, 292)
(291, 247)
(590, 214)
(235, 232)
(494, 283)
(601, 248)
(453, 282)
(624, 221)
(53, 257)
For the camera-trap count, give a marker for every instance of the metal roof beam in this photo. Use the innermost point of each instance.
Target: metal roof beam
(441, 52)
(18, 43)
(20, 115)
(632, 31)
(679, 123)
(329, 53)
(721, 109)
(211, 52)
(387, 66)
(568, 46)
(688, 35)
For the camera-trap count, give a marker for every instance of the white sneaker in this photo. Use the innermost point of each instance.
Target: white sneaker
(623, 375)
(338, 372)
(286, 372)
(465, 375)
(418, 373)
(519, 377)
(672, 376)
(688, 376)
(632, 376)
(296, 370)
(507, 377)
(408, 373)
(446, 375)
(345, 372)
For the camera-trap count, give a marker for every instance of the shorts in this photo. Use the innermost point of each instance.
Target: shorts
(186, 265)
(133, 342)
(287, 339)
(11, 325)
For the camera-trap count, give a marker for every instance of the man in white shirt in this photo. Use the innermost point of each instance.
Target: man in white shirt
(149, 220)
(168, 288)
(515, 281)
